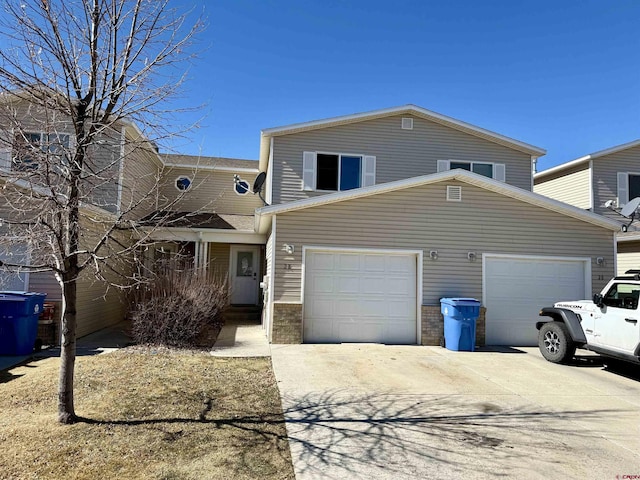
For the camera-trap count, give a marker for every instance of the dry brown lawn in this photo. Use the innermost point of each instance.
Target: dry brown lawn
(147, 416)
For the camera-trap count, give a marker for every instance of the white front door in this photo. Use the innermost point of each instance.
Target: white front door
(244, 274)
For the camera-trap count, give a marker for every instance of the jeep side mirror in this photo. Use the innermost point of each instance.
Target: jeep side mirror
(598, 300)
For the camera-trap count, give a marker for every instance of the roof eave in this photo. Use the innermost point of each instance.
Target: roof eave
(461, 175)
(412, 109)
(591, 156)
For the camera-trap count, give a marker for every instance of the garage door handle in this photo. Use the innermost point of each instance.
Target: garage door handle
(631, 320)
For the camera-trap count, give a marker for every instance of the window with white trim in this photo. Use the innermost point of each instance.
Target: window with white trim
(29, 147)
(628, 187)
(337, 171)
(496, 171)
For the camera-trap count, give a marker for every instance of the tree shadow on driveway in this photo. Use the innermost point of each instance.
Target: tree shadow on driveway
(339, 434)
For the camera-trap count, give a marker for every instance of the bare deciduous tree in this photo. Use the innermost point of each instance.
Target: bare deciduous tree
(85, 87)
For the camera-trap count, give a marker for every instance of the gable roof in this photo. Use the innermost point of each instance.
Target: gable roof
(267, 134)
(265, 213)
(586, 158)
(209, 163)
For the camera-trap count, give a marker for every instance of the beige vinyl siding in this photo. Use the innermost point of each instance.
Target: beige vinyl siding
(605, 175)
(99, 304)
(219, 254)
(45, 282)
(211, 191)
(102, 159)
(628, 256)
(419, 218)
(571, 186)
(98, 307)
(399, 153)
(140, 179)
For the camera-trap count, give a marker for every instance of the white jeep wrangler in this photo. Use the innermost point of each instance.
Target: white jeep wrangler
(608, 325)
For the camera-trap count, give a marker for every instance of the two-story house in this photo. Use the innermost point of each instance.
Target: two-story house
(374, 217)
(369, 220)
(602, 182)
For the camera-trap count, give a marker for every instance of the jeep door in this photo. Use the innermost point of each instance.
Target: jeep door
(618, 327)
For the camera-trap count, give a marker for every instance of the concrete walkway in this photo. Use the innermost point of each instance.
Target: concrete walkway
(103, 341)
(240, 339)
(236, 339)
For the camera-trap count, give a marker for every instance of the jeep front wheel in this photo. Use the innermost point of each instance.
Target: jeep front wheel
(555, 342)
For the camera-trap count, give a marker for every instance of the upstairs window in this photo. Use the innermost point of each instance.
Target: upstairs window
(337, 172)
(628, 187)
(30, 147)
(496, 171)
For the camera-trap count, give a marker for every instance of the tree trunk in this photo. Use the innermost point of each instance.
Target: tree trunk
(66, 409)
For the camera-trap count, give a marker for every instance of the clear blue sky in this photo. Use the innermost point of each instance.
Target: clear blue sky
(563, 75)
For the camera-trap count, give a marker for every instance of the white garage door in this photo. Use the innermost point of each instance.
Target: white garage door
(516, 288)
(360, 297)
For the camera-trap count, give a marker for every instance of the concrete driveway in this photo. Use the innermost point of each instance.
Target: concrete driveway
(378, 412)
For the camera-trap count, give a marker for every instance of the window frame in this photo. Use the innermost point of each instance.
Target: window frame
(622, 302)
(367, 170)
(339, 155)
(41, 146)
(471, 163)
(181, 177)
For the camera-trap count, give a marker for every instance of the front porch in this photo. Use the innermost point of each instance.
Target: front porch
(222, 246)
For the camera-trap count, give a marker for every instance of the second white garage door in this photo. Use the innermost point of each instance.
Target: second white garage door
(516, 288)
(360, 297)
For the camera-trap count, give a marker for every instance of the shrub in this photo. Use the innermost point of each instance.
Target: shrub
(178, 307)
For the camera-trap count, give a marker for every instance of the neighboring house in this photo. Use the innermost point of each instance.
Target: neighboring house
(121, 153)
(589, 182)
(374, 217)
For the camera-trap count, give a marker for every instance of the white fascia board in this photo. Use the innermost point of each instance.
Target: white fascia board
(461, 175)
(212, 167)
(412, 109)
(205, 235)
(628, 237)
(561, 167)
(591, 156)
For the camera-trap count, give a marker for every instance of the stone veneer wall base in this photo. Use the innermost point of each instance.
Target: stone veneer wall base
(286, 323)
(433, 326)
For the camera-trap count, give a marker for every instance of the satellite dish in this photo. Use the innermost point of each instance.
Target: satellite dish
(630, 208)
(258, 183)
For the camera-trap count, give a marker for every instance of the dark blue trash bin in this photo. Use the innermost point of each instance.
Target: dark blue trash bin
(460, 316)
(19, 313)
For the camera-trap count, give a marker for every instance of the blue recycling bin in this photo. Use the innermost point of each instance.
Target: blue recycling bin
(19, 313)
(460, 316)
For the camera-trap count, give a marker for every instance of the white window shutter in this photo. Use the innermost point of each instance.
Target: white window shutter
(368, 170)
(6, 148)
(623, 189)
(500, 172)
(309, 171)
(443, 165)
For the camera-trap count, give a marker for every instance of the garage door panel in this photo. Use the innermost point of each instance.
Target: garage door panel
(321, 308)
(360, 297)
(374, 285)
(374, 263)
(400, 264)
(347, 285)
(516, 289)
